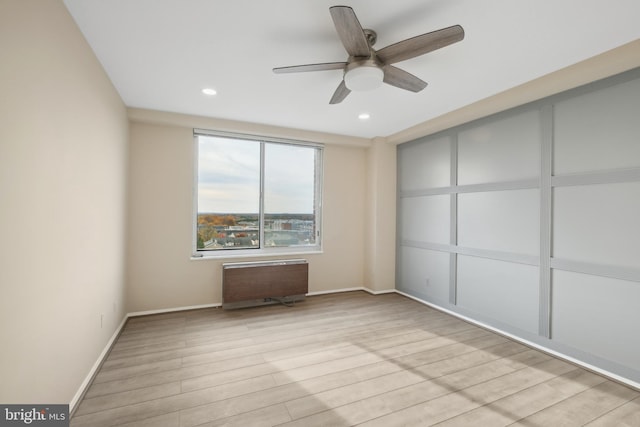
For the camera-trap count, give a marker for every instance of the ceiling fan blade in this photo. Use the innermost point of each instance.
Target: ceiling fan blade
(419, 45)
(350, 31)
(399, 78)
(340, 94)
(310, 67)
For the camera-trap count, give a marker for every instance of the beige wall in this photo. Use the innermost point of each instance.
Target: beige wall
(380, 266)
(63, 151)
(160, 272)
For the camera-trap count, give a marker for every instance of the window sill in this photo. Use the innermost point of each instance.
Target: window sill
(253, 254)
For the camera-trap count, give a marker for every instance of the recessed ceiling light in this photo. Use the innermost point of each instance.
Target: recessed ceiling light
(364, 116)
(209, 91)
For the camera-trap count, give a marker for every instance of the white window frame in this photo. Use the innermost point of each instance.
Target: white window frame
(262, 251)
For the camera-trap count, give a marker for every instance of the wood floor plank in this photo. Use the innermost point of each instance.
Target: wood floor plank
(102, 403)
(265, 347)
(442, 408)
(265, 417)
(321, 401)
(627, 415)
(309, 342)
(200, 379)
(161, 352)
(170, 375)
(162, 406)
(115, 374)
(339, 360)
(309, 390)
(280, 394)
(397, 400)
(278, 340)
(505, 411)
(583, 407)
(167, 420)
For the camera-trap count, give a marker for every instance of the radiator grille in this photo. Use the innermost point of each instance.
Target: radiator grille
(246, 284)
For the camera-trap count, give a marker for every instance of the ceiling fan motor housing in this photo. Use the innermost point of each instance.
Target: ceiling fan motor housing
(363, 75)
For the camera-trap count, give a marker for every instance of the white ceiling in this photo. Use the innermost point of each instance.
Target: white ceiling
(161, 53)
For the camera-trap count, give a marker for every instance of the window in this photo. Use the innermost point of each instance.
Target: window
(256, 196)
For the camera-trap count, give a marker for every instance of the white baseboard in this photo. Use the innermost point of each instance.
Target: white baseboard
(334, 291)
(542, 348)
(385, 291)
(94, 369)
(170, 310)
(361, 288)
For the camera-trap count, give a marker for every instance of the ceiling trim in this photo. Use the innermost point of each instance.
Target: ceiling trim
(139, 115)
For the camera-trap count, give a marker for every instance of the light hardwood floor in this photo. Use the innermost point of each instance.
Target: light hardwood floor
(340, 360)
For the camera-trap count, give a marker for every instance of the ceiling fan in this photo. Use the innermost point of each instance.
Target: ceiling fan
(366, 68)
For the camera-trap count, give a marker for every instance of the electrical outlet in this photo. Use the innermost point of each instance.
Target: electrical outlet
(101, 320)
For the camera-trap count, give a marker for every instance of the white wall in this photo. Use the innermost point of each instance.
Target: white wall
(160, 272)
(63, 161)
(527, 221)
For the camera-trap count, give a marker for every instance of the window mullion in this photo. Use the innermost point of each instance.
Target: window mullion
(317, 199)
(261, 224)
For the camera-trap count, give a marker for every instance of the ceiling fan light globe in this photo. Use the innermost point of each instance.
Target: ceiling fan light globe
(364, 78)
